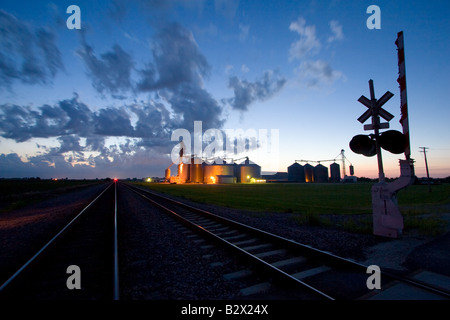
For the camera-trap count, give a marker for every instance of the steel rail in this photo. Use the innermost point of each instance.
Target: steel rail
(241, 251)
(320, 254)
(116, 247)
(40, 251)
(308, 249)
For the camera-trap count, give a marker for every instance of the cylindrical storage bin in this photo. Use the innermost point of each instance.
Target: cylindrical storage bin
(248, 171)
(309, 172)
(210, 172)
(296, 173)
(320, 173)
(335, 172)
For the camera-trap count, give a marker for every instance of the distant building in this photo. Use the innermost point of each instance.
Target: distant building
(349, 179)
(277, 177)
(226, 179)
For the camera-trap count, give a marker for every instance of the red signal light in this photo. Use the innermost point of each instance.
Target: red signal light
(115, 179)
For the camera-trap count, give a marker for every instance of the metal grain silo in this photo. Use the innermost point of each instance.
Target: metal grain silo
(309, 172)
(320, 173)
(296, 173)
(196, 171)
(335, 172)
(211, 171)
(249, 170)
(183, 172)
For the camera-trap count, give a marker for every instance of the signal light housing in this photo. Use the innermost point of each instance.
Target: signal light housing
(363, 144)
(393, 141)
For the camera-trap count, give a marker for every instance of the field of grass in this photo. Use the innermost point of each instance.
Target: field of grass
(17, 193)
(22, 186)
(311, 204)
(301, 198)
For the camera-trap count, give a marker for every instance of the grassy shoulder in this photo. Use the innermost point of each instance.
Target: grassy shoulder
(316, 204)
(283, 197)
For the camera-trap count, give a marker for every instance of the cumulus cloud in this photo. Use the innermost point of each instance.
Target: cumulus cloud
(26, 56)
(316, 72)
(245, 92)
(71, 117)
(111, 73)
(308, 42)
(127, 133)
(177, 60)
(194, 103)
(174, 74)
(312, 70)
(336, 30)
(177, 72)
(84, 136)
(22, 122)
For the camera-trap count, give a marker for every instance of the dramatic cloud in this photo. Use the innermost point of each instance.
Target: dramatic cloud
(26, 56)
(177, 60)
(177, 73)
(110, 137)
(112, 72)
(22, 123)
(246, 92)
(195, 103)
(121, 135)
(131, 132)
(73, 117)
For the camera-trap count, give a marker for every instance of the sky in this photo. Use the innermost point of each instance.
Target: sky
(282, 78)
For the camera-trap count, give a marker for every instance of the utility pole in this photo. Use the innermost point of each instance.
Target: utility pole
(424, 150)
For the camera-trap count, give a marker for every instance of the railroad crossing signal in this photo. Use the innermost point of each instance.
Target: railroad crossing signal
(375, 110)
(371, 146)
(391, 140)
(387, 219)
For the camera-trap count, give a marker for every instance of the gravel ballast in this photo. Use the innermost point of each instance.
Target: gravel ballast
(159, 259)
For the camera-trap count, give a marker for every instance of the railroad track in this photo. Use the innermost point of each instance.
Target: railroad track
(319, 274)
(274, 266)
(82, 255)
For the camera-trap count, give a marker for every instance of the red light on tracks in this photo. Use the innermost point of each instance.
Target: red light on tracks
(115, 179)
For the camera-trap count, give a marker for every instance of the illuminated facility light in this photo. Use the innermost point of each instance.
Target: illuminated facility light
(256, 180)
